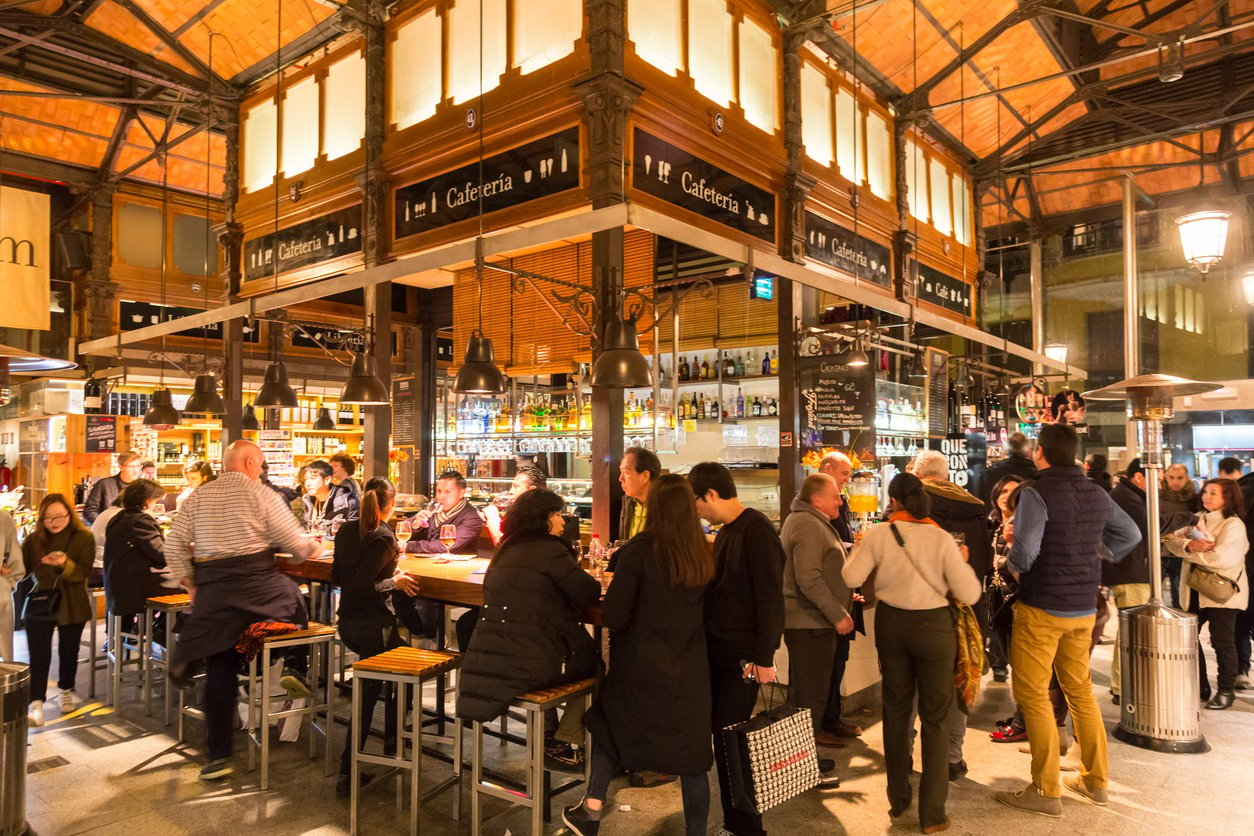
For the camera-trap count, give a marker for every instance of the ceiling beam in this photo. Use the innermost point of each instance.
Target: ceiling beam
(326, 31)
(172, 42)
(157, 153)
(1110, 44)
(115, 141)
(41, 168)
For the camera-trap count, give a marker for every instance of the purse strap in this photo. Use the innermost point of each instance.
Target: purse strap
(901, 542)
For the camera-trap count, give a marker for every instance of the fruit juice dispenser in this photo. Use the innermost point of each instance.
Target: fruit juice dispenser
(864, 500)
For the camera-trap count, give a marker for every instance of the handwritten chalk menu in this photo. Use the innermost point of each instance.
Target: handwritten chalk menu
(538, 169)
(276, 446)
(102, 434)
(937, 392)
(835, 400)
(674, 175)
(404, 418)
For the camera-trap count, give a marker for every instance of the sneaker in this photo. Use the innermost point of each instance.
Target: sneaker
(957, 770)
(1000, 676)
(1030, 800)
(65, 701)
(294, 685)
(576, 818)
(1009, 733)
(216, 770)
(35, 714)
(562, 757)
(1076, 784)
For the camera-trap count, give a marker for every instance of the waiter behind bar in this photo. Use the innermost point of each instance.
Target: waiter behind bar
(237, 524)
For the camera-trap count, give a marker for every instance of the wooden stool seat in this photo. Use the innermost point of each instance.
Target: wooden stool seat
(169, 603)
(313, 631)
(410, 661)
(544, 698)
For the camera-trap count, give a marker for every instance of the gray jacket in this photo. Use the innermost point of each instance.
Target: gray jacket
(815, 596)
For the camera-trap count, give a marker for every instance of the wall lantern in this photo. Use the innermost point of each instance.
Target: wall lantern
(1203, 235)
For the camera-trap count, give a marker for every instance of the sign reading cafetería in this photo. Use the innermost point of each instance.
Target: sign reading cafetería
(313, 242)
(838, 247)
(538, 169)
(24, 258)
(674, 175)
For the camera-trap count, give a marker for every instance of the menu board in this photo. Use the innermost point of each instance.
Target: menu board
(101, 434)
(937, 392)
(404, 418)
(837, 402)
(276, 446)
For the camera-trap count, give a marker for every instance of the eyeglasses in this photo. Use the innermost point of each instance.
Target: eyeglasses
(56, 517)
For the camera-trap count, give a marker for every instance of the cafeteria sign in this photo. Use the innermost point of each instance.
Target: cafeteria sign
(674, 175)
(538, 169)
(944, 291)
(304, 245)
(24, 257)
(837, 247)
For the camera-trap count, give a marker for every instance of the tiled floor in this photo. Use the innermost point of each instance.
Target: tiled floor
(125, 775)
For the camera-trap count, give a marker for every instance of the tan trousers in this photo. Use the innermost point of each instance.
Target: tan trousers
(1125, 595)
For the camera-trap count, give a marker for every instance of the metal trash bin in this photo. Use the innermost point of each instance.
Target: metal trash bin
(1159, 680)
(14, 700)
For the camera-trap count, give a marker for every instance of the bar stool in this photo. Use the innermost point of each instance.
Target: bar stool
(410, 668)
(126, 649)
(96, 661)
(171, 605)
(317, 638)
(536, 792)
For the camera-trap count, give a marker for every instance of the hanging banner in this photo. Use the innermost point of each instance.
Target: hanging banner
(24, 258)
(674, 175)
(540, 168)
(837, 247)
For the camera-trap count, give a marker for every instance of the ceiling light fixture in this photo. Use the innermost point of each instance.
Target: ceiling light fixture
(620, 364)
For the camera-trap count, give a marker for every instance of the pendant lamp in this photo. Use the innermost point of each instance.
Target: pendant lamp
(1204, 236)
(363, 385)
(325, 421)
(917, 370)
(275, 390)
(479, 374)
(162, 412)
(857, 358)
(205, 399)
(249, 421)
(620, 364)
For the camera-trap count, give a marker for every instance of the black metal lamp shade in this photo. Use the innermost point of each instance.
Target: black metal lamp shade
(479, 374)
(363, 385)
(162, 412)
(620, 364)
(325, 421)
(205, 399)
(275, 390)
(249, 420)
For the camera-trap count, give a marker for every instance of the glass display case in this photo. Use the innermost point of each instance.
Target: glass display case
(900, 420)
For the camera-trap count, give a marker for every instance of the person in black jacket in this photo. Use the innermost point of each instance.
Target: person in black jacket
(744, 616)
(529, 633)
(365, 571)
(106, 490)
(1128, 580)
(653, 611)
(1017, 463)
(134, 557)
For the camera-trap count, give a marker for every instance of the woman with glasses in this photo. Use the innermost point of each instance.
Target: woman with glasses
(59, 553)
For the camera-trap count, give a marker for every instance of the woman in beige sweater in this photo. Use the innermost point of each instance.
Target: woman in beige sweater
(919, 566)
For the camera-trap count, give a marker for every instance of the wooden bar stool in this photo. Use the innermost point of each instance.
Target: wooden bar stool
(96, 661)
(126, 649)
(536, 791)
(171, 605)
(409, 668)
(318, 639)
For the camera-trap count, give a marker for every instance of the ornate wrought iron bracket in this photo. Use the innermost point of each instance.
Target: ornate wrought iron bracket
(191, 364)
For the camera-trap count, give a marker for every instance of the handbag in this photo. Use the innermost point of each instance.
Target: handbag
(969, 664)
(771, 757)
(43, 604)
(1208, 582)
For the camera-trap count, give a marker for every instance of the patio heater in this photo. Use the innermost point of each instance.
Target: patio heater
(1157, 644)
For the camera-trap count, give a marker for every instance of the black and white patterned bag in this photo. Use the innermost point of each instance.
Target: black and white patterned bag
(771, 757)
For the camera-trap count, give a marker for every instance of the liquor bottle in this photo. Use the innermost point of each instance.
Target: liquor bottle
(740, 403)
(701, 405)
(751, 365)
(775, 362)
(729, 366)
(954, 418)
(757, 408)
(772, 407)
(713, 410)
(705, 369)
(91, 396)
(766, 364)
(585, 420)
(740, 364)
(684, 372)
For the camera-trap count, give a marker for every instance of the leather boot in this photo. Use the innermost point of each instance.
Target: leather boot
(1223, 699)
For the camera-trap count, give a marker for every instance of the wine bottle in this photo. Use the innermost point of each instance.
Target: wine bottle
(684, 371)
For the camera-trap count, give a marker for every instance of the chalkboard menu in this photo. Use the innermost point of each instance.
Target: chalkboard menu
(404, 419)
(937, 393)
(837, 401)
(102, 434)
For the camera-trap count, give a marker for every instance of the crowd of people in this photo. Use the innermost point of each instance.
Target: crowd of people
(1036, 555)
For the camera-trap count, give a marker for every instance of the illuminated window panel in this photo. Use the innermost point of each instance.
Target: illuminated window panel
(300, 132)
(464, 37)
(816, 115)
(962, 210)
(259, 140)
(759, 74)
(850, 148)
(710, 50)
(656, 29)
(344, 108)
(916, 181)
(417, 70)
(879, 155)
(942, 219)
(544, 31)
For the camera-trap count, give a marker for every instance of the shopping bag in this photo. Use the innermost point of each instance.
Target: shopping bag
(770, 758)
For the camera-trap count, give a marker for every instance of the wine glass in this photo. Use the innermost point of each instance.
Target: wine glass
(404, 530)
(448, 536)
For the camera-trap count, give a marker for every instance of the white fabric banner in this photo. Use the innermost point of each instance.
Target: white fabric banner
(25, 256)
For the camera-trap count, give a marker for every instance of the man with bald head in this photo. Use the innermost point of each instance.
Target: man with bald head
(237, 524)
(840, 468)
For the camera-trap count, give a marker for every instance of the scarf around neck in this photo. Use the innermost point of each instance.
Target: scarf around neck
(906, 516)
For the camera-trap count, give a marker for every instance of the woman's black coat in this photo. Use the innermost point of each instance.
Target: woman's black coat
(134, 545)
(529, 634)
(653, 709)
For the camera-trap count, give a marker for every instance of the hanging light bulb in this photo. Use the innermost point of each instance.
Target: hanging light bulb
(275, 390)
(325, 421)
(857, 358)
(1204, 236)
(162, 412)
(205, 399)
(363, 385)
(249, 421)
(620, 364)
(478, 374)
